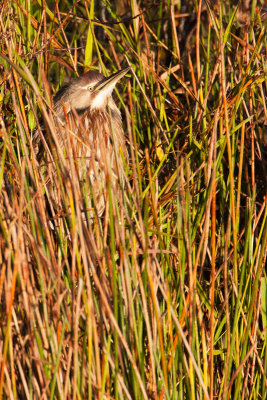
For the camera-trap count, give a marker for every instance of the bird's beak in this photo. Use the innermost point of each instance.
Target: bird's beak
(110, 81)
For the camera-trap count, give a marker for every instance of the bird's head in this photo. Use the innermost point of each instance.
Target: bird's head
(91, 90)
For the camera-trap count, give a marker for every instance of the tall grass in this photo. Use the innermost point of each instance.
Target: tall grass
(164, 295)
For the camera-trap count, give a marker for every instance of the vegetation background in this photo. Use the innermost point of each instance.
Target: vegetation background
(164, 295)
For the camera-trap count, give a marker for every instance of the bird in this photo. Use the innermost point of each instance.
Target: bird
(89, 128)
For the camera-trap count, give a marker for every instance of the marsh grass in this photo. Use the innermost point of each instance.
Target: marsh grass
(164, 295)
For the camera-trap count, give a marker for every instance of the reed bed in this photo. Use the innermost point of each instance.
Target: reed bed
(163, 296)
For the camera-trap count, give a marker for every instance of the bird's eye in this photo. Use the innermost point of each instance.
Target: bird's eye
(90, 88)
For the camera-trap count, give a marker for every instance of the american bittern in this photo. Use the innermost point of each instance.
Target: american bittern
(89, 129)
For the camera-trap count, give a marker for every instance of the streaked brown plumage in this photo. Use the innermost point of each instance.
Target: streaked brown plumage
(89, 129)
